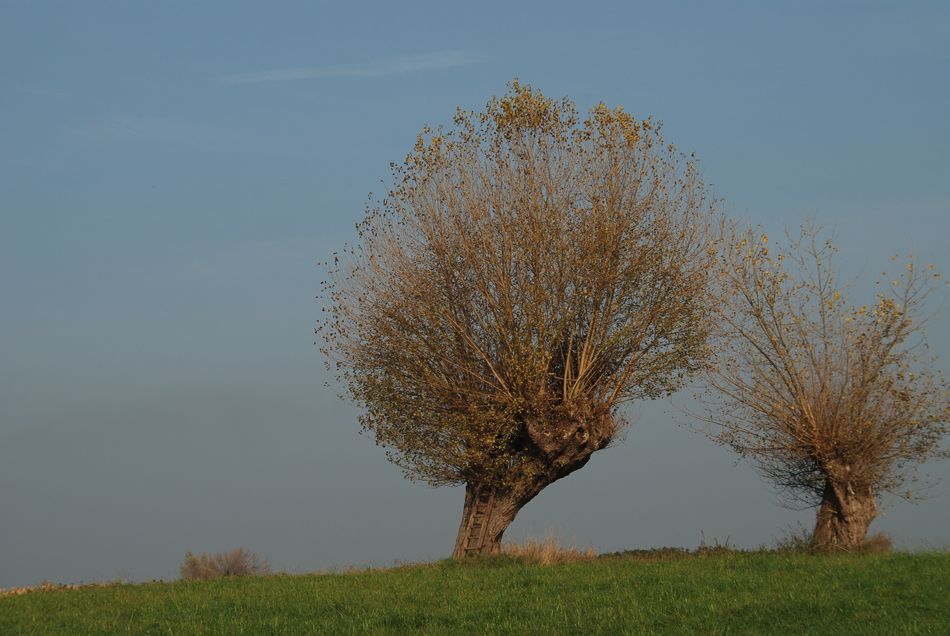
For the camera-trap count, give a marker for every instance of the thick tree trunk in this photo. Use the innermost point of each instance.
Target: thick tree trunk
(845, 514)
(552, 451)
(487, 514)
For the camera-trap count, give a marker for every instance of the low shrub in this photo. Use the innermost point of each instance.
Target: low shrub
(236, 562)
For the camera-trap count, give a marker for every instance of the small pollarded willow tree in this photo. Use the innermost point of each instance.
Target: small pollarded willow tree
(526, 275)
(833, 404)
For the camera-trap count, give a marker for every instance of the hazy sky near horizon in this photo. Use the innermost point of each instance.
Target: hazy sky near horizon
(173, 173)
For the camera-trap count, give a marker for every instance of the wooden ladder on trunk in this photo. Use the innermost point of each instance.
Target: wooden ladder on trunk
(478, 522)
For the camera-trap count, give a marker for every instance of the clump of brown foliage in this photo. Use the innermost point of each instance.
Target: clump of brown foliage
(236, 562)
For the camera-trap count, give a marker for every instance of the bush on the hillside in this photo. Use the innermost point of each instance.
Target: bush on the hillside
(237, 562)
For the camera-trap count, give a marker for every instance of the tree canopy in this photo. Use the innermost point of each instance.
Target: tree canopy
(526, 274)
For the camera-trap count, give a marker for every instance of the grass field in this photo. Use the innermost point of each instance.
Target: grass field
(656, 592)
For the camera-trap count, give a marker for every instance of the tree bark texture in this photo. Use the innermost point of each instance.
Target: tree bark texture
(845, 514)
(551, 450)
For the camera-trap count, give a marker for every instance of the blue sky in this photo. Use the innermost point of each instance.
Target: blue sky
(172, 174)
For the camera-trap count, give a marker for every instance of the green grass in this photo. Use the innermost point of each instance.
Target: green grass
(716, 592)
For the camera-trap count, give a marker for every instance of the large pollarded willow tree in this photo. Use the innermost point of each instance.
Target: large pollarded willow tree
(527, 274)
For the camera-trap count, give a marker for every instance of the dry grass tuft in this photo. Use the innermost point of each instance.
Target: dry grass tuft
(237, 562)
(547, 551)
(802, 540)
(47, 586)
(879, 543)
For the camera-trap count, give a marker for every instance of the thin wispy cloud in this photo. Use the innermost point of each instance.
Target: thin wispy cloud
(387, 66)
(46, 92)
